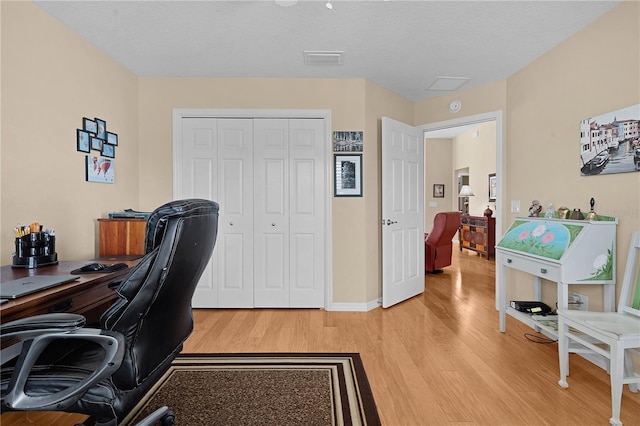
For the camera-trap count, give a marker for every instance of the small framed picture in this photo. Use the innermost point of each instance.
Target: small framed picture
(96, 143)
(347, 141)
(83, 139)
(89, 125)
(492, 187)
(348, 175)
(101, 126)
(112, 138)
(108, 150)
(438, 190)
(99, 169)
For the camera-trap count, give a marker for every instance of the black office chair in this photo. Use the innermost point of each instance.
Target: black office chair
(61, 366)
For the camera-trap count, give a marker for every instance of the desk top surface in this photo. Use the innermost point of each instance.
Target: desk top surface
(8, 273)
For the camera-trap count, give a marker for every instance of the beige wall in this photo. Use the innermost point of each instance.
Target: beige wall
(546, 102)
(438, 169)
(355, 253)
(51, 79)
(478, 155)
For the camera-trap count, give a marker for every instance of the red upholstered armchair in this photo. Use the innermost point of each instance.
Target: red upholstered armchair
(438, 244)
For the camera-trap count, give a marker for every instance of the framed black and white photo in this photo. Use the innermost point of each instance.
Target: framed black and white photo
(89, 125)
(492, 187)
(101, 129)
(348, 175)
(83, 141)
(347, 141)
(112, 138)
(438, 190)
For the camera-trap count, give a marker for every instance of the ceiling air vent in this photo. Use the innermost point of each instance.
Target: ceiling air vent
(448, 83)
(323, 58)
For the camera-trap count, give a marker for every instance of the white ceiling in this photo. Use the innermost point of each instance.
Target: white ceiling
(401, 45)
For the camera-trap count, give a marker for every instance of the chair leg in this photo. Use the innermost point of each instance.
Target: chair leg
(617, 373)
(563, 352)
(630, 371)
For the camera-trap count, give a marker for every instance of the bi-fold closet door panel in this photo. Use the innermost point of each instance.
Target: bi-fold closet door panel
(217, 164)
(289, 213)
(268, 176)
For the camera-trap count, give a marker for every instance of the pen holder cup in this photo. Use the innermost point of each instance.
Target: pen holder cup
(35, 249)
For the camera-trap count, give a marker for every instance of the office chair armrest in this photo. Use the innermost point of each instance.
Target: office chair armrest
(31, 326)
(112, 344)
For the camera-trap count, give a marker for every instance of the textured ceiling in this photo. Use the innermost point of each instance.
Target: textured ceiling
(401, 45)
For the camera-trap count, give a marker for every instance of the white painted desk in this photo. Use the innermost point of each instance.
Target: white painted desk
(559, 250)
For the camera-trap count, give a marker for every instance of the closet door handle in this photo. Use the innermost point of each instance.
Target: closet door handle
(273, 224)
(230, 223)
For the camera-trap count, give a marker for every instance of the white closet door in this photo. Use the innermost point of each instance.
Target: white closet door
(234, 181)
(307, 159)
(271, 213)
(289, 213)
(199, 152)
(268, 175)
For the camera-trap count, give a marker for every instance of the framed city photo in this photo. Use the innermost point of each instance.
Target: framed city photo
(101, 129)
(112, 138)
(83, 140)
(348, 175)
(89, 125)
(438, 190)
(108, 150)
(96, 143)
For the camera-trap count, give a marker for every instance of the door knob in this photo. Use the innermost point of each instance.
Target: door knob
(230, 223)
(391, 222)
(273, 224)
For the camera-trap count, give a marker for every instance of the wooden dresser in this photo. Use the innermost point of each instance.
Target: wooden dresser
(120, 237)
(478, 233)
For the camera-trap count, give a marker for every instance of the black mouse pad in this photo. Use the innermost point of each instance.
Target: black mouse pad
(109, 268)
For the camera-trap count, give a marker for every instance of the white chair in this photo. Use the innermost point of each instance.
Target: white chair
(619, 331)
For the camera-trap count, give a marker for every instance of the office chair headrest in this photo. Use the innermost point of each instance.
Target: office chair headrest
(180, 208)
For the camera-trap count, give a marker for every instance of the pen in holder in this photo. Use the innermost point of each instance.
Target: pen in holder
(34, 250)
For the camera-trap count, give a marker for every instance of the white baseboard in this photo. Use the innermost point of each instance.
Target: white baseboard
(354, 307)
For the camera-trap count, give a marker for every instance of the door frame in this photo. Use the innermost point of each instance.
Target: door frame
(179, 113)
(495, 116)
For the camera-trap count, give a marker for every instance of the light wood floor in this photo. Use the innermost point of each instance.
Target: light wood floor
(436, 359)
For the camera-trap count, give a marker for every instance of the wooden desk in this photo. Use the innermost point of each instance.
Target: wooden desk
(89, 295)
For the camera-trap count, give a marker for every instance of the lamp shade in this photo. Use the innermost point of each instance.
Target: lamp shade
(465, 191)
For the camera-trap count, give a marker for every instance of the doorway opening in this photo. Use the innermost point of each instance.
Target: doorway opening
(434, 130)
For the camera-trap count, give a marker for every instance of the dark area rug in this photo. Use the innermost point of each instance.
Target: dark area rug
(264, 389)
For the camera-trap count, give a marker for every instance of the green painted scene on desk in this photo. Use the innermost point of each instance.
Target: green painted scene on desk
(546, 239)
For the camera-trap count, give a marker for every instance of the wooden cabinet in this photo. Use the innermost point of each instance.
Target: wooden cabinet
(478, 233)
(122, 236)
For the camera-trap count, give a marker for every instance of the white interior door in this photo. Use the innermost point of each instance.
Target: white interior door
(288, 213)
(269, 177)
(217, 164)
(234, 180)
(307, 160)
(199, 150)
(271, 213)
(402, 212)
